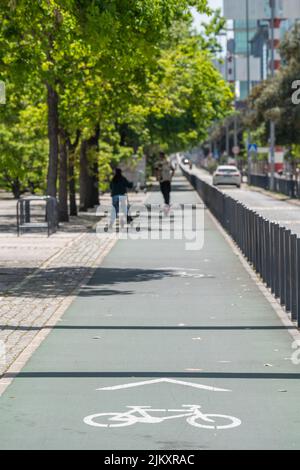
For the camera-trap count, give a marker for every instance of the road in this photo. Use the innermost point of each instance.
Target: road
(282, 211)
(162, 327)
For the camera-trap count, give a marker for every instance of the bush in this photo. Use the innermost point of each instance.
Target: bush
(212, 166)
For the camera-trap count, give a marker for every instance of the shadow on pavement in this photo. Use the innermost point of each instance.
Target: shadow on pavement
(55, 282)
(162, 374)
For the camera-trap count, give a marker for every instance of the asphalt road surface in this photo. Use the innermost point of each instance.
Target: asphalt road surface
(283, 212)
(184, 337)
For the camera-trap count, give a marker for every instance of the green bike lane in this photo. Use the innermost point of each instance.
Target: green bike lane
(184, 327)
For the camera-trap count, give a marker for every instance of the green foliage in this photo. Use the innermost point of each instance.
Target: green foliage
(109, 157)
(212, 166)
(212, 29)
(132, 66)
(23, 144)
(186, 96)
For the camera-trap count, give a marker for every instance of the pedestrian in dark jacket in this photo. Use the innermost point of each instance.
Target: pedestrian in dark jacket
(119, 186)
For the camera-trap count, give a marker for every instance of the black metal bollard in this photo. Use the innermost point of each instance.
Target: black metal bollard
(281, 265)
(287, 264)
(293, 269)
(298, 283)
(259, 246)
(272, 257)
(27, 212)
(267, 225)
(277, 261)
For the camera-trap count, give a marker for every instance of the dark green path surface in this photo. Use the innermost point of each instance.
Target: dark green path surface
(155, 310)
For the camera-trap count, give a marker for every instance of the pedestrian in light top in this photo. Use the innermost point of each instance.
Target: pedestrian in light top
(164, 174)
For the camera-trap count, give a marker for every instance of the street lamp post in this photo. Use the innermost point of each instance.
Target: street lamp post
(235, 129)
(226, 124)
(272, 123)
(248, 87)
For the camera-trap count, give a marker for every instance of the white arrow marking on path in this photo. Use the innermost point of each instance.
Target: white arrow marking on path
(173, 381)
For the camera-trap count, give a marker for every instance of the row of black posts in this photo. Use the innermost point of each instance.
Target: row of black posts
(289, 187)
(272, 250)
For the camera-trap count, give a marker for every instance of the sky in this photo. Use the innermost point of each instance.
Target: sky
(213, 4)
(198, 19)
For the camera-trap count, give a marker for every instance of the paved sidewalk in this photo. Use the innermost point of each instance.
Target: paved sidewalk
(21, 256)
(284, 212)
(167, 329)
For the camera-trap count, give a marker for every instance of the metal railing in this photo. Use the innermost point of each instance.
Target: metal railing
(289, 187)
(272, 250)
(37, 212)
(261, 181)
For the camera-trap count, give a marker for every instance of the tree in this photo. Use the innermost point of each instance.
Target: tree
(112, 78)
(187, 94)
(23, 142)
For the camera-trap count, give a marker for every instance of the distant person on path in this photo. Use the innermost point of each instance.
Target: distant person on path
(119, 186)
(164, 174)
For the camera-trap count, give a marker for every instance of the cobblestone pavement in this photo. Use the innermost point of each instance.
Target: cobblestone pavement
(37, 274)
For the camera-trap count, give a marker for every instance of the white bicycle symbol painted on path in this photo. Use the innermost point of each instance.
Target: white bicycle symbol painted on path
(141, 414)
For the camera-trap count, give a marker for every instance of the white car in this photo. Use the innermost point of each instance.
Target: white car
(227, 175)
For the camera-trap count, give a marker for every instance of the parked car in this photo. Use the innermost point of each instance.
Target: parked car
(227, 175)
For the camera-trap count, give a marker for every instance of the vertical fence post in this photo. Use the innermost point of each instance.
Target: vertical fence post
(254, 220)
(293, 269)
(252, 223)
(277, 261)
(298, 282)
(272, 257)
(263, 250)
(245, 225)
(255, 240)
(259, 247)
(281, 265)
(27, 211)
(247, 213)
(258, 243)
(268, 253)
(287, 265)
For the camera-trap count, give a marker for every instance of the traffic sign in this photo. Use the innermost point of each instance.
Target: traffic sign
(252, 148)
(236, 150)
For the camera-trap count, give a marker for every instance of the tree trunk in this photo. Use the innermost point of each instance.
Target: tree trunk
(95, 177)
(63, 179)
(95, 188)
(16, 188)
(89, 192)
(72, 183)
(84, 179)
(52, 101)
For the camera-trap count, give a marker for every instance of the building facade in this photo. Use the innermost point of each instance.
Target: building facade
(258, 30)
